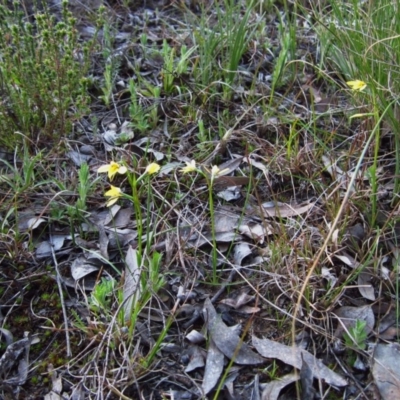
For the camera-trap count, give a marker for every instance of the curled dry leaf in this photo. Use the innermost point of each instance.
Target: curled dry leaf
(56, 380)
(240, 252)
(81, 267)
(17, 353)
(195, 337)
(230, 194)
(255, 231)
(238, 301)
(29, 222)
(273, 389)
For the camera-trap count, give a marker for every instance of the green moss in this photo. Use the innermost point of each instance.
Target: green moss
(45, 296)
(35, 380)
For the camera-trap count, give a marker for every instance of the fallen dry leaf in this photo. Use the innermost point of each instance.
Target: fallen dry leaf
(55, 242)
(56, 390)
(131, 289)
(227, 339)
(238, 301)
(240, 252)
(293, 356)
(365, 288)
(257, 232)
(348, 316)
(214, 367)
(281, 210)
(197, 360)
(273, 389)
(306, 377)
(348, 260)
(81, 267)
(386, 370)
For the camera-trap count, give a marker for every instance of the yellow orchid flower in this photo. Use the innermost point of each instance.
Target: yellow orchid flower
(114, 194)
(215, 171)
(112, 169)
(357, 85)
(190, 167)
(152, 168)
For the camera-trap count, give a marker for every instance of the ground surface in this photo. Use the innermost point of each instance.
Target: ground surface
(288, 152)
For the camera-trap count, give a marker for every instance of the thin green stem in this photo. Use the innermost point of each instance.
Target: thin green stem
(148, 221)
(136, 204)
(214, 241)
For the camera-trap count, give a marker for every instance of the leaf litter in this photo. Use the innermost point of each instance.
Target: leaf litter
(266, 233)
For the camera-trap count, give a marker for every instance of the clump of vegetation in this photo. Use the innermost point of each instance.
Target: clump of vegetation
(250, 153)
(43, 76)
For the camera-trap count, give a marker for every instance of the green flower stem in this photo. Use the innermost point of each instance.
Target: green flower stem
(136, 204)
(149, 196)
(214, 241)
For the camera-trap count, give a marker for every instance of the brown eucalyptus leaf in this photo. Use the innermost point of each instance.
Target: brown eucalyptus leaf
(249, 310)
(78, 158)
(238, 301)
(120, 237)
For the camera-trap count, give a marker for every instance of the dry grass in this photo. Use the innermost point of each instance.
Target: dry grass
(299, 227)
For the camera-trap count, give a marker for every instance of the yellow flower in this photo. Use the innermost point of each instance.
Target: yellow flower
(112, 169)
(190, 167)
(357, 85)
(114, 194)
(215, 171)
(152, 168)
